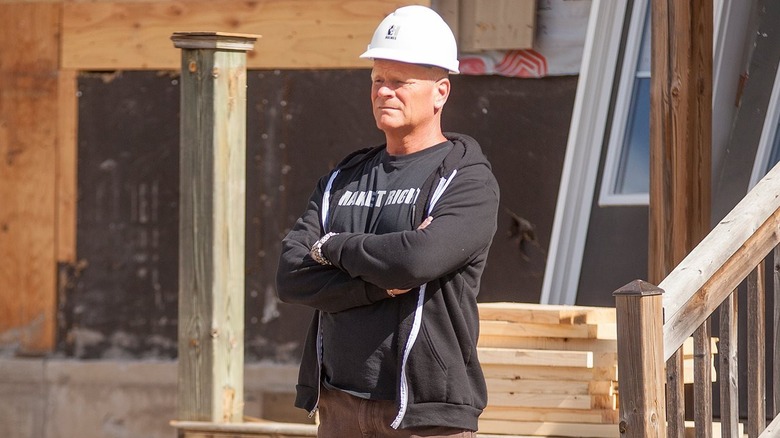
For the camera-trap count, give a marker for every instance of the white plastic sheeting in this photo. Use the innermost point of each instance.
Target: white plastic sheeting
(557, 48)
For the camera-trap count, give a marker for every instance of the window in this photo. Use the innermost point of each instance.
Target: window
(626, 177)
(768, 153)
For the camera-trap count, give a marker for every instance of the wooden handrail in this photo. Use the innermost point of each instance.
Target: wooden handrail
(708, 278)
(712, 270)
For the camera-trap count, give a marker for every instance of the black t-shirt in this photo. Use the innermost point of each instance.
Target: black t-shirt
(379, 199)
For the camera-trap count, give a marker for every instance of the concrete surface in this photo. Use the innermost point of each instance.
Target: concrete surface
(56, 398)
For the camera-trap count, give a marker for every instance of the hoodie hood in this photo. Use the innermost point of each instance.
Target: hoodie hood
(466, 152)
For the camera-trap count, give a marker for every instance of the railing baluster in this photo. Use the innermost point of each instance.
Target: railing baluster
(702, 381)
(776, 325)
(728, 377)
(756, 339)
(675, 396)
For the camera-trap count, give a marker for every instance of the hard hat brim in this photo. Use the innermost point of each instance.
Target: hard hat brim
(396, 55)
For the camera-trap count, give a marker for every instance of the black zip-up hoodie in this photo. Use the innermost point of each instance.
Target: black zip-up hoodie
(439, 377)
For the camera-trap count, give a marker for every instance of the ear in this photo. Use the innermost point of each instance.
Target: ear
(441, 92)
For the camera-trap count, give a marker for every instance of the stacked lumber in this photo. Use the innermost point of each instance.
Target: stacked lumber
(551, 370)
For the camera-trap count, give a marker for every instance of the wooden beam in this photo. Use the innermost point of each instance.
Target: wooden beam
(211, 226)
(260, 429)
(552, 358)
(516, 428)
(67, 165)
(133, 35)
(607, 387)
(545, 313)
(531, 329)
(680, 131)
(28, 169)
(535, 414)
(552, 401)
(549, 373)
(541, 343)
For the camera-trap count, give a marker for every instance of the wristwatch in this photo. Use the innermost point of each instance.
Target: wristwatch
(316, 250)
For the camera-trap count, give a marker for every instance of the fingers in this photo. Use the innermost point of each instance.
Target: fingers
(396, 292)
(425, 223)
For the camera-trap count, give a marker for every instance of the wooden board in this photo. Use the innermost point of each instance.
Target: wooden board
(550, 358)
(295, 33)
(549, 373)
(28, 142)
(255, 429)
(497, 24)
(552, 401)
(535, 414)
(548, 429)
(532, 329)
(545, 313)
(595, 387)
(67, 152)
(594, 345)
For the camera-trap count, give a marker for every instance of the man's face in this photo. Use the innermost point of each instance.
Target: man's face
(406, 96)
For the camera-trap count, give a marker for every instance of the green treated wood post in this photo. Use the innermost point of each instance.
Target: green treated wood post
(211, 225)
(639, 311)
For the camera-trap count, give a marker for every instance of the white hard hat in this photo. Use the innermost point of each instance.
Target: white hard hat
(417, 35)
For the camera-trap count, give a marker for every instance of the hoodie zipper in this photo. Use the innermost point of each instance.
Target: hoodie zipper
(324, 221)
(417, 324)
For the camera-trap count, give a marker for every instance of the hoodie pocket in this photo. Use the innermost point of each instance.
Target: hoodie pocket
(428, 370)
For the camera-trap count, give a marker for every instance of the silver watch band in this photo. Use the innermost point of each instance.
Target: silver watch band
(316, 250)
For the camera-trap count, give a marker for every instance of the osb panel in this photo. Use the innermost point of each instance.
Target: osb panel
(295, 33)
(28, 138)
(28, 34)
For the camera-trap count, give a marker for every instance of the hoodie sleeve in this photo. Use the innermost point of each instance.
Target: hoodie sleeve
(464, 222)
(301, 280)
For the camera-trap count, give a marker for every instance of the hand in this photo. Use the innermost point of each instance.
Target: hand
(425, 223)
(395, 292)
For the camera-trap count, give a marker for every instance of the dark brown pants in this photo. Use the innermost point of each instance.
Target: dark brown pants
(345, 416)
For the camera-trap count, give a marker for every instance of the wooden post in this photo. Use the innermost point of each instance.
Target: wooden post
(680, 149)
(29, 146)
(211, 225)
(641, 360)
(680, 130)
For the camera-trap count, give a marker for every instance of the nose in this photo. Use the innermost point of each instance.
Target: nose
(384, 91)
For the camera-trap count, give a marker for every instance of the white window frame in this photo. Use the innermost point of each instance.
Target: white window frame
(583, 151)
(625, 92)
(768, 133)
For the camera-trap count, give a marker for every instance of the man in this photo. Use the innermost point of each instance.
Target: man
(390, 252)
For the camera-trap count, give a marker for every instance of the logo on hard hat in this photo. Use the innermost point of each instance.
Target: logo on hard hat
(392, 32)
